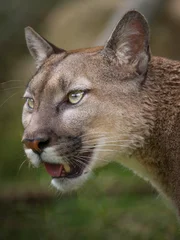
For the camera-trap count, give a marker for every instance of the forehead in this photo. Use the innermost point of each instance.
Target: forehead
(60, 73)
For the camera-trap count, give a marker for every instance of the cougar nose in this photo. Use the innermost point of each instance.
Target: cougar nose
(37, 145)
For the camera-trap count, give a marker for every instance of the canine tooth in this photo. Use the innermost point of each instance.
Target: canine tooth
(67, 167)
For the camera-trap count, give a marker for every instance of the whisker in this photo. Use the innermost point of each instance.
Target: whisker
(10, 81)
(103, 133)
(93, 133)
(115, 138)
(88, 166)
(107, 142)
(21, 165)
(79, 163)
(120, 142)
(105, 150)
(109, 145)
(29, 164)
(68, 161)
(7, 89)
(9, 98)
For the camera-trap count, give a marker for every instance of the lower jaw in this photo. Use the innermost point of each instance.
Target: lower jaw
(68, 185)
(70, 177)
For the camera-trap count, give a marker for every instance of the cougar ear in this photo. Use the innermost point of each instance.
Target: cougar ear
(130, 41)
(39, 48)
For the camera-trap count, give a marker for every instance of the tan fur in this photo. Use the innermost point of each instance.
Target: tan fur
(85, 50)
(131, 110)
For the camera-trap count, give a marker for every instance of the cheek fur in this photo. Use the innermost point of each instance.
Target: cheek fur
(26, 117)
(73, 120)
(80, 117)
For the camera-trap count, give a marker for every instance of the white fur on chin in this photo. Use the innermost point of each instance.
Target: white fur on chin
(67, 185)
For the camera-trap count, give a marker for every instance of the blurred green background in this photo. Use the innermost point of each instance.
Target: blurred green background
(114, 204)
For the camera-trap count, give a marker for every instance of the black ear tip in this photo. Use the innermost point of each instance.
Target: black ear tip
(28, 29)
(134, 14)
(30, 33)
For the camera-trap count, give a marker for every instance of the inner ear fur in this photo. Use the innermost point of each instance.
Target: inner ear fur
(130, 41)
(39, 48)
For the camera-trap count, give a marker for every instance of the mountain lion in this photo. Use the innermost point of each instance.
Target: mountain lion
(86, 107)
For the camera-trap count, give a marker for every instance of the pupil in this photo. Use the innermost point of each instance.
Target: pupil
(76, 95)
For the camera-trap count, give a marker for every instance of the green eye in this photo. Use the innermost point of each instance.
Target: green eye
(75, 96)
(30, 103)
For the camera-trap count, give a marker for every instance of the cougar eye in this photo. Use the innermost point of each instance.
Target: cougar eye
(30, 103)
(75, 96)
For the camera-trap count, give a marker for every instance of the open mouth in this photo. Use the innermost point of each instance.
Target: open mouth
(68, 170)
(63, 170)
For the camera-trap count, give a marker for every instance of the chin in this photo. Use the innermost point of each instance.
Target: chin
(68, 185)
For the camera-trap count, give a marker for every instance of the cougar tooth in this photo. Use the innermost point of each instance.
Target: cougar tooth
(67, 167)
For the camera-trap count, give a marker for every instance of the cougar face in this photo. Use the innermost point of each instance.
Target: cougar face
(84, 107)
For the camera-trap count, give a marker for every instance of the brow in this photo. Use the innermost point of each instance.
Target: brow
(64, 84)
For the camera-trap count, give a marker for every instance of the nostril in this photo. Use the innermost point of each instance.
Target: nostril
(37, 144)
(43, 144)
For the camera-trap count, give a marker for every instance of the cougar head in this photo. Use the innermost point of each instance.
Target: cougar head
(83, 107)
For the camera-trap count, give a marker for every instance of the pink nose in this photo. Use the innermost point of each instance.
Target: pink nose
(37, 145)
